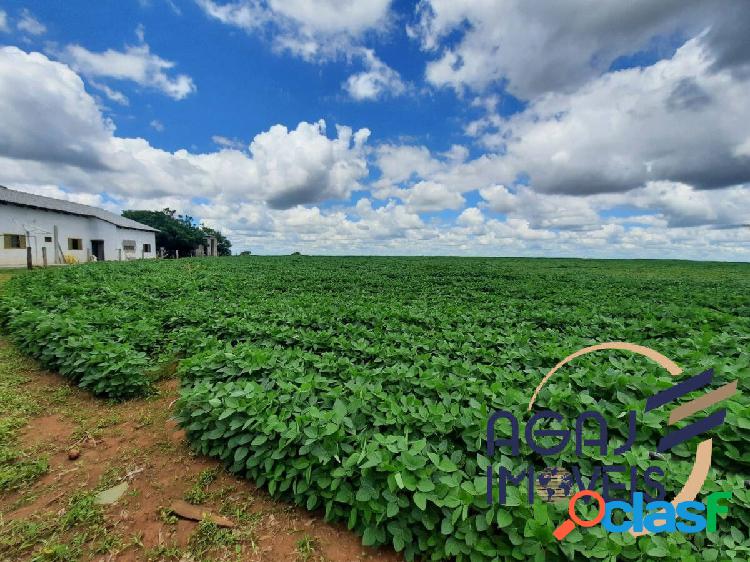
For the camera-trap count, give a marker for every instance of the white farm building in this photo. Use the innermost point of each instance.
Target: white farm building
(64, 231)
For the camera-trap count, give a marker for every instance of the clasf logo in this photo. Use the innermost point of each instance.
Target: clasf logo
(653, 517)
(645, 513)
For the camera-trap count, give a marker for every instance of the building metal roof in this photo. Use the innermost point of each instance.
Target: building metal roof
(13, 197)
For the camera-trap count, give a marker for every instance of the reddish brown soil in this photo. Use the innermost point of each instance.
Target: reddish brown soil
(137, 437)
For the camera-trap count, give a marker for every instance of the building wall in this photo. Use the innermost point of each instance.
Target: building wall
(38, 223)
(140, 237)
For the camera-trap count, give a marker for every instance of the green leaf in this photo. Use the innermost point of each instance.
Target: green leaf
(312, 501)
(240, 454)
(370, 536)
(504, 518)
(657, 551)
(392, 509)
(540, 513)
(420, 500)
(425, 485)
(399, 480)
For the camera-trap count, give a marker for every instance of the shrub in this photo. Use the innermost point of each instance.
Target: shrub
(95, 363)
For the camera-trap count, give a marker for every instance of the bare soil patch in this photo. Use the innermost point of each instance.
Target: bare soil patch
(137, 442)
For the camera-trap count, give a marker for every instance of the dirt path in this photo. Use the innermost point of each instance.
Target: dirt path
(51, 515)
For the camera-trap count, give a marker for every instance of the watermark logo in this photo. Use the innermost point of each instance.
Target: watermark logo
(647, 510)
(653, 517)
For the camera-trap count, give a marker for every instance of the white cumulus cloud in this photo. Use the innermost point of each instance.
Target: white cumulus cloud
(311, 29)
(377, 80)
(678, 120)
(426, 196)
(547, 45)
(57, 134)
(135, 63)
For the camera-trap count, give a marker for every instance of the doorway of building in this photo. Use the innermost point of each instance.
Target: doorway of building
(97, 249)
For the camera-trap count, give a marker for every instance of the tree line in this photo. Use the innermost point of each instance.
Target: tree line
(179, 233)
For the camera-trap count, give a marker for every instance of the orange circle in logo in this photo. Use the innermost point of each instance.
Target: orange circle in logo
(572, 508)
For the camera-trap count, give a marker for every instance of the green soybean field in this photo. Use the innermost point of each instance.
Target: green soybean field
(361, 388)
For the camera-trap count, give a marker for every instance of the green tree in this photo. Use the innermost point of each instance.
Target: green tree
(178, 232)
(223, 245)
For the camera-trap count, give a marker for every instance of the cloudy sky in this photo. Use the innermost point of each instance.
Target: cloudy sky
(592, 128)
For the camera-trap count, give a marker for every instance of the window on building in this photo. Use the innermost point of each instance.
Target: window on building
(48, 238)
(147, 248)
(14, 241)
(128, 245)
(75, 244)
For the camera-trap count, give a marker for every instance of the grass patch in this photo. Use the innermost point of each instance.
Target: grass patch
(81, 511)
(108, 420)
(22, 535)
(239, 513)
(112, 476)
(18, 468)
(198, 494)
(109, 544)
(58, 552)
(21, 473)
(307, 547)
(59, 536)
(208, 536)
(166, 516)
(61, 395)
(164, 552)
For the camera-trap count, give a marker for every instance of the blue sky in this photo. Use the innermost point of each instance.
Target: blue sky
(507, 128)
(242, 85)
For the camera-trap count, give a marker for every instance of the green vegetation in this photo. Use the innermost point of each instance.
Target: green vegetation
(60, 536)
(18, 468)
(199, 492)
(306, 548)
(361, 387)
(87, 357)
(179, 232)
(209, 535)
